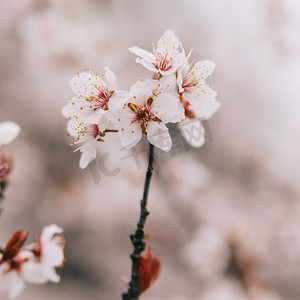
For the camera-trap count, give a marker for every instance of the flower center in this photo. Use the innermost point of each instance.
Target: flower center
(188, 81)
(103, 98)
(143, 115)
(163, 62)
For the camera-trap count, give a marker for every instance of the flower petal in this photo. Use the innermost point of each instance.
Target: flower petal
(168, 42)
(130, 136)
(165, 107)
(144, 88)
(193, 132)
(202, 93)
(158, 135)
(86, 85)
(88, 153)
(53, 254)
(203, 69)
(205, 110)
(8, 132)
(118, 99)
(121, 118)
(12, 283)
(147, 56)
(49, 231)
(146, 64)
(167, 84)
(111, 79)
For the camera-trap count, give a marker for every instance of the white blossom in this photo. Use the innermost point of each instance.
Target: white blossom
(165, 58)
(48, 254)
(151, 106)
(8, 132)
(35, 263)
(196, 96)
(94, 94)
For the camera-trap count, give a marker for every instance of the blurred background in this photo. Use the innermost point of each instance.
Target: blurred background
(226, 217)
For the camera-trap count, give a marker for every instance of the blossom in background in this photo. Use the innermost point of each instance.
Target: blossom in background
(11, 263)
(48, 253)
(165, 58)
(34, 264)
(149, 270)
(8, 132)
(151, 106)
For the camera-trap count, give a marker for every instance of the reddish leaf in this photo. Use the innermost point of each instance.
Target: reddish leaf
(149, 270)
(14, 244)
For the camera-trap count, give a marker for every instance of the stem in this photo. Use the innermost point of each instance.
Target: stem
(137, 239)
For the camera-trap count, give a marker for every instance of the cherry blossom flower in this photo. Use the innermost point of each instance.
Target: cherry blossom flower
(87, 134)
(165, 58)
(8, 132)
(12, 261)
(48, 254)
(88, 111)
(35, 263)
(94, 94)
(196, 96)
(151, 106)
(149, 270)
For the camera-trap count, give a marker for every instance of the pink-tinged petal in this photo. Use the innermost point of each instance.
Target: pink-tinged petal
(144, 88)
(193, 132)
(158, 135)
(88, 154)
(168, 42)
(130, 136)
(146, 64)
(165, 106)
(206, 110)
(167, 84)
(147, 56)
(111, 79)
(118, 99)
(49, 232)
(86, 85)
(203, 69)
(8, 132)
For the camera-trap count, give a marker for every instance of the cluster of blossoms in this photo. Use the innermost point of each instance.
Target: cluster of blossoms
(34, 263)
(176, 94)
(8, 132)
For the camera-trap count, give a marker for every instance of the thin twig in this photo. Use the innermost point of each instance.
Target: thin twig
(137, 239)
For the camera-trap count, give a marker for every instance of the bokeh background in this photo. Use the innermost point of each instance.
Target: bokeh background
(225, 217)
